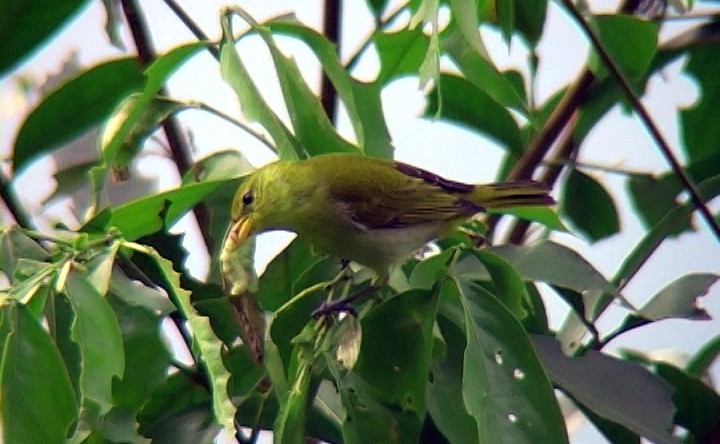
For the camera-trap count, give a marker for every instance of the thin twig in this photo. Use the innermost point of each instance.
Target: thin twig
(178, 147)
(13, 205)
(243, 126)
(369, 38)
(642, 112)
(192, 26)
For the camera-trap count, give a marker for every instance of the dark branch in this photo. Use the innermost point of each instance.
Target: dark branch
(176, 141)
(331, 29)
(12, 203)
(639, 108)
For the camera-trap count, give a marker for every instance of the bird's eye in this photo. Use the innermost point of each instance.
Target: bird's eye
(248, 198)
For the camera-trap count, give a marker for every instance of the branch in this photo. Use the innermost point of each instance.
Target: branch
(639, 108)
(13, 205)
(331, 29)
(192, 26)
(178, 147)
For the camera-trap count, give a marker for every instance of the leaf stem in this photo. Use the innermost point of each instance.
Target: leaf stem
(642, 112)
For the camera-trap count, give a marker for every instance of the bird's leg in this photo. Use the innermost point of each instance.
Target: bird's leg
(343, 304)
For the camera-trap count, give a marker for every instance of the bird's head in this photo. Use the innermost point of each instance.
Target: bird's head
(262, 203)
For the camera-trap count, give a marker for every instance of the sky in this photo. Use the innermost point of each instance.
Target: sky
(619, 141)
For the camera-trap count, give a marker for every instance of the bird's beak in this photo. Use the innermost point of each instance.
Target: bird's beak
(239, 232)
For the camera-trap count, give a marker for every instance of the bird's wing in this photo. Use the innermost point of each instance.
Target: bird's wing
(393, 194)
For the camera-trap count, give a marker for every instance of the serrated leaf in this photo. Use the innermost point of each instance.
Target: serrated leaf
(25, 26)
(208, 345)
(38, 402)
(616, 390)
(679, 298)
(153, 213)
(78, 105)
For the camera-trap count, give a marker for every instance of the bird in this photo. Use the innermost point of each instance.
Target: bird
(371, 211)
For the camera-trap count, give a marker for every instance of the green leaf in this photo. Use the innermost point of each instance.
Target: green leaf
(205, 342)
(366, 420)
(530, 19)
(401, 53)
(226, 164)
(506, 18)
(545, 216)
(589, 206)
(251, 101)
(678, 299)
(38, 403)
(698, 406)
(465, 104)
(427, 14)
(25, 26)
(476, 67)
(277, 283)
(362, 100)
(699, 137)
(444, 389)
(615, 31)
(75, 107)
(137, 295)
(96, 331)
(179, 411)
(146, 357)
(151, 214)
(154, 112)
(553, 263)
(509, 286)
(398, 369)
(16, 245)
(100, 267)
(701, 361)
(290, 425)
(625, 393)
(312, 127)
(504, 387)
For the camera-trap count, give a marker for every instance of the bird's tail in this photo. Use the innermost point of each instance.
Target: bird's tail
(512, 194)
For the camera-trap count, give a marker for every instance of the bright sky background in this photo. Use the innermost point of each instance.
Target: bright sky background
(619, 141)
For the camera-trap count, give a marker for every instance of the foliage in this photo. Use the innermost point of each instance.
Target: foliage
(457, 349)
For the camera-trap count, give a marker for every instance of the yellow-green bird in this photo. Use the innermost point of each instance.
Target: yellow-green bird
(371, 211)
